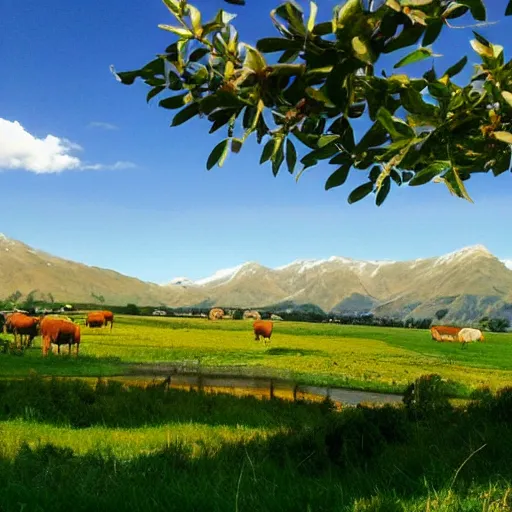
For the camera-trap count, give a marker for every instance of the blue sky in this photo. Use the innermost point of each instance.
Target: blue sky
(168, 216)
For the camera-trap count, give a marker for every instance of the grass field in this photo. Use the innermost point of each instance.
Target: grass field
(108, 444)
(367, 358)
(69, 446)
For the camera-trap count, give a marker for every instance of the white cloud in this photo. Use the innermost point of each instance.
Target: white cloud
(113, 167)
(101, 124)
(20, 149)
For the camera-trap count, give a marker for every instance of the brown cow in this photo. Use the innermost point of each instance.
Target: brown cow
(109, 318)
(23, 325)
(95, 319)
(444, 333)
(263, 328)
(59, 332)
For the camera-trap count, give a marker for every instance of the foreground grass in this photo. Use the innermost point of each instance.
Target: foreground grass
(367, 358)
(121, 448)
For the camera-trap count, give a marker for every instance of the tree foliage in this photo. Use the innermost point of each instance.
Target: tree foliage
(322, 81)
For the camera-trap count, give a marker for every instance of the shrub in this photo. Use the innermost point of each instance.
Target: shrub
(428, 395)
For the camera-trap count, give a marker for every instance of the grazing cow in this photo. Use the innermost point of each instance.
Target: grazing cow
(23, 325)
(468, 335)
(109, 318)
(444, 333)
(59, 332)
(263, 328)
(95, 319)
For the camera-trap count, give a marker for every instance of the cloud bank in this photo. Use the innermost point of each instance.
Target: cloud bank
(21, 150)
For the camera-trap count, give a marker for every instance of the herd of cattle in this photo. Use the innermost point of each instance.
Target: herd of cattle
(52, 329)
(55, 330)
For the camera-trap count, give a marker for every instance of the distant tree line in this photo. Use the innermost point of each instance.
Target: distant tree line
(287, 311)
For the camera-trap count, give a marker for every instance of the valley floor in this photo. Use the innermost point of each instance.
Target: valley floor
(365, 358)
(79, 442)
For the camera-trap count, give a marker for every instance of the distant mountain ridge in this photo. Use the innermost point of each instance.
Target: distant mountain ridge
(469, 283)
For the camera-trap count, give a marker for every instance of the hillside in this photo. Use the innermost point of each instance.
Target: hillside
(469, 283)
(25, 269)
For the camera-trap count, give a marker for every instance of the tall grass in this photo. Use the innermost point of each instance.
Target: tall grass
(423, 455)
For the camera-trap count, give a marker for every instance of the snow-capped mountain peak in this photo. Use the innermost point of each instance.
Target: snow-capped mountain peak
(465, 252)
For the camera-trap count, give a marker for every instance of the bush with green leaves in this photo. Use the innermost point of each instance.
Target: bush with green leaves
(422, 129)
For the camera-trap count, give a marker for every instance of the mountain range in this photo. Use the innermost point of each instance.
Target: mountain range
(469, 283)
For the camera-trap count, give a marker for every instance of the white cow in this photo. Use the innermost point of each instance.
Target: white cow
(468, 335)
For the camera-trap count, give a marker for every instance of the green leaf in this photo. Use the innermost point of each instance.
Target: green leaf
(343, 128)
(502, 162)
(288, 56)
(175, 101)
(173, 6)
(395, 176)
(341, 159)
(395, 126)
(456, 68)
(503, 136)
(318, 95)
(415, 56)
(291, 156)
(277, 44)
(481, 49)
(185, 114)
(383, 191)
(292, 13)
(508, 11)
(413, 102)
(334, 84)
(431, 171)
(180, 31)
(278, 157)
(432, 32)
(312, 16)
(338, 177)
(476, 7)
(153, 92)
(198, 54)
(408, 37)
(349, 13)
(253, 59)
(439, 91)
(362, 49)
(324, 140)
(507, 95)
(236, 145)
(454, 10)
(268, 150)
(360, 192)
(318, 154)
(195, 18)
(218, 154)
(322, 29)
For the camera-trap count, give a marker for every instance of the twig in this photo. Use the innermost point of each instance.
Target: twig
(464, 463)
(238, 486)
(482, 24)
(250, 461)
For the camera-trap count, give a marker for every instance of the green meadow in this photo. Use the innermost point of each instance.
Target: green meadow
(366, 358)
(84, 434)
